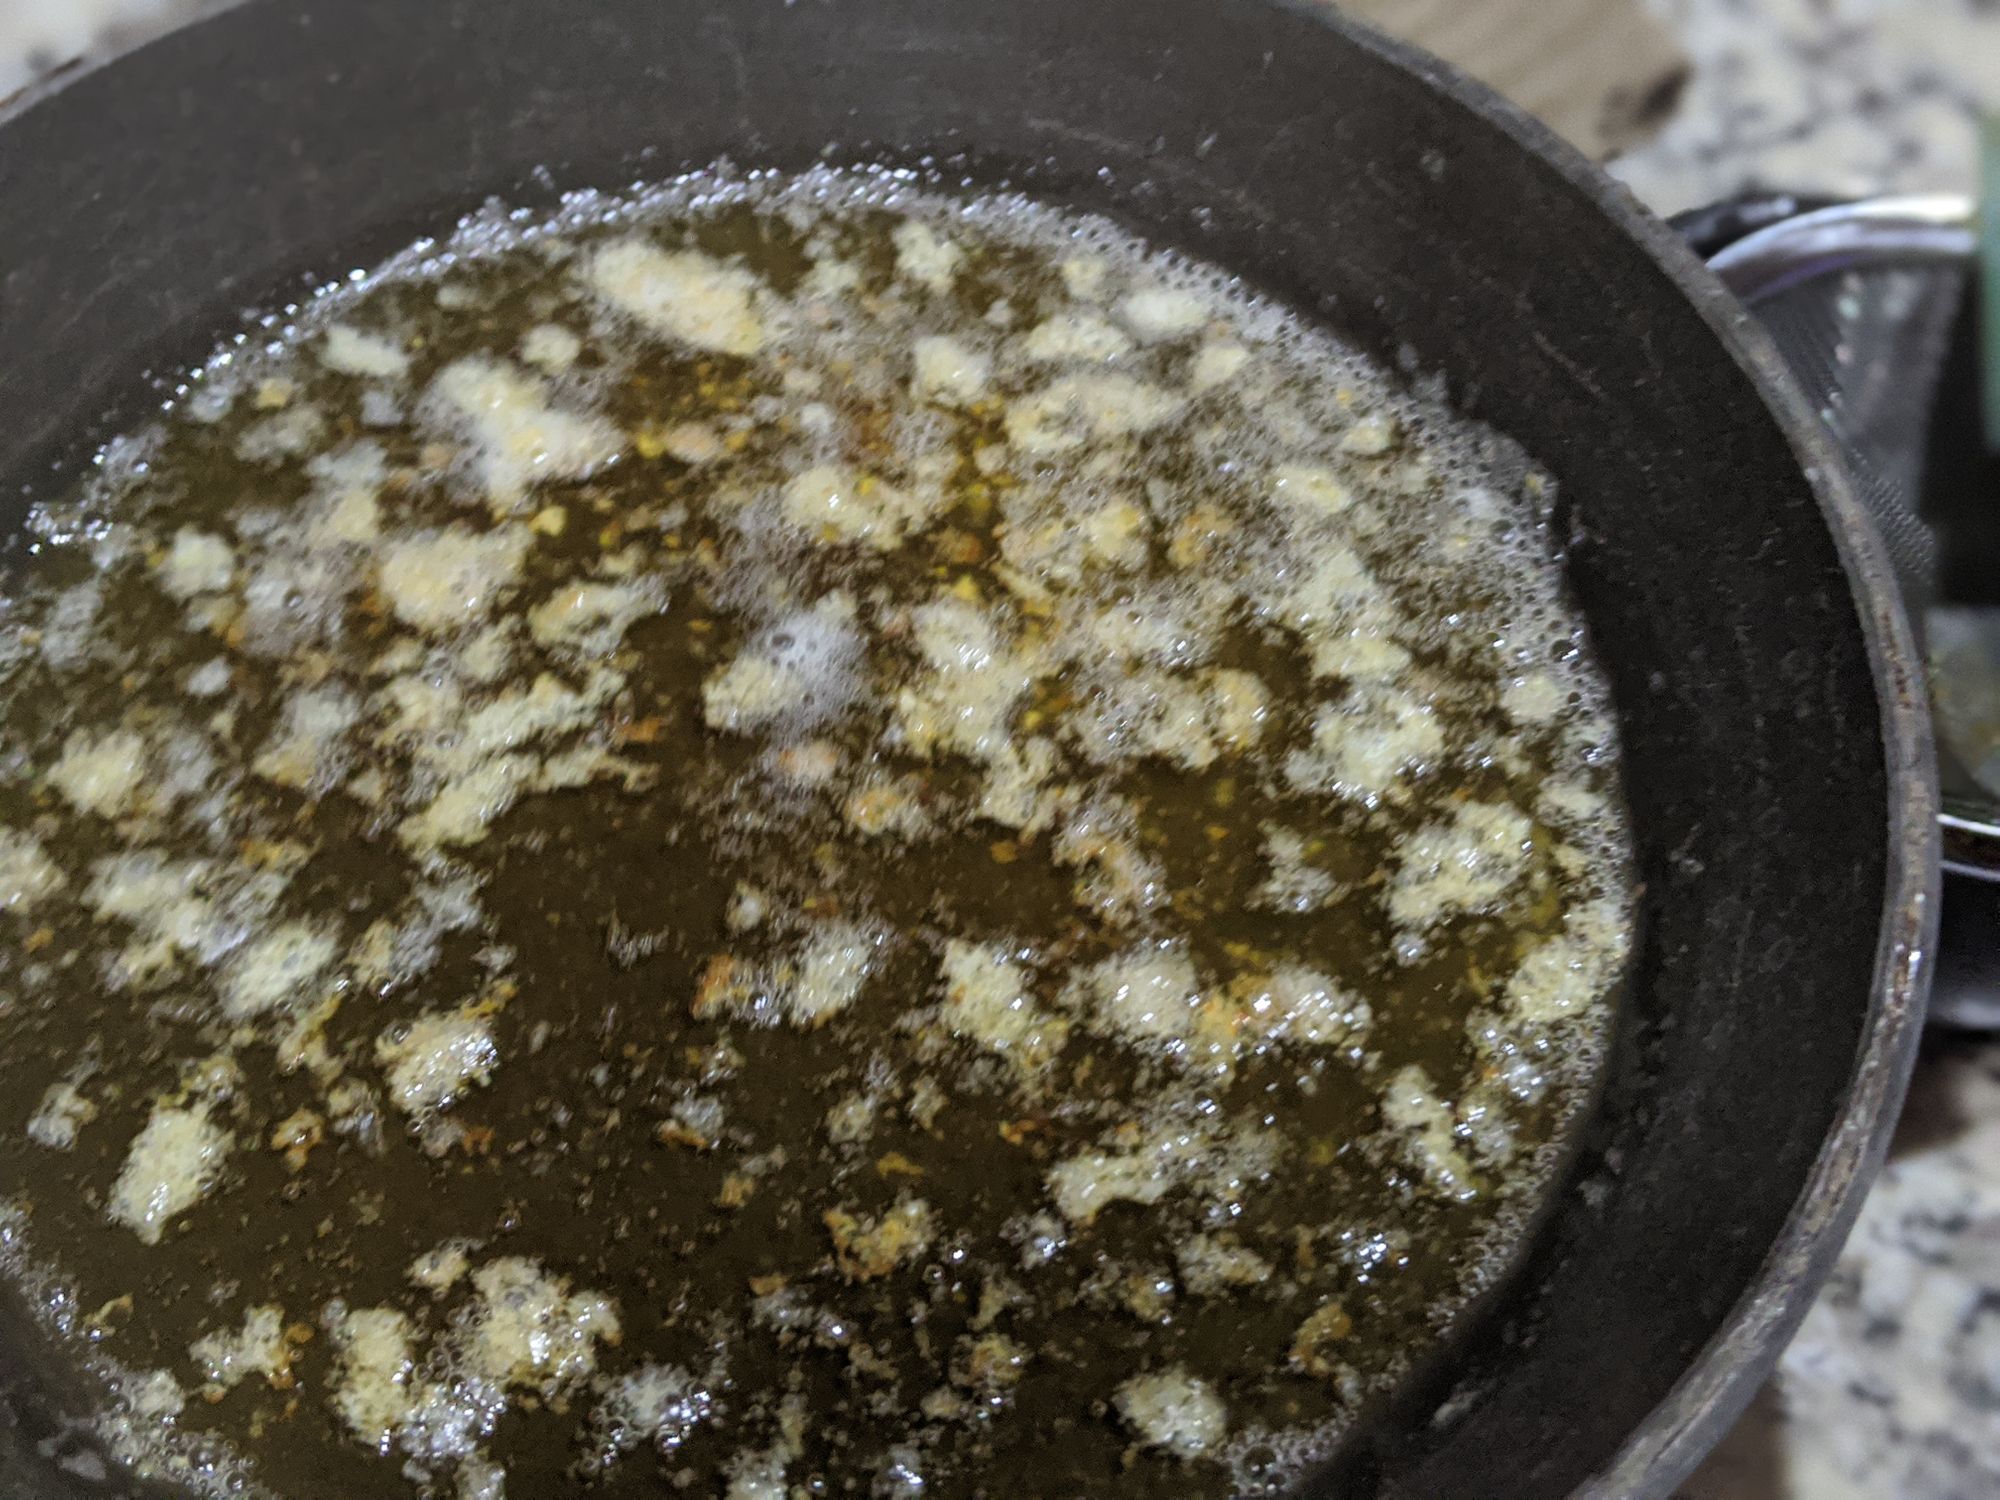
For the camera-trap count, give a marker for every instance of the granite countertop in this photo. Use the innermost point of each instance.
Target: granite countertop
(1892, 1387)
(1843, 97)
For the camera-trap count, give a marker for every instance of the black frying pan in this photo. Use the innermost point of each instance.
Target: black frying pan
(1779, 762)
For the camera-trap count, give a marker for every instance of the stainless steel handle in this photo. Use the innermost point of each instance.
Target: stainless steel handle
(1933, 228)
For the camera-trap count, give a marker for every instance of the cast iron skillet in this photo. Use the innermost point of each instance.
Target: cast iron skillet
(1779, 763)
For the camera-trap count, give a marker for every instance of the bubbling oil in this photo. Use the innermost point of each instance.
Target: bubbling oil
(784, 835)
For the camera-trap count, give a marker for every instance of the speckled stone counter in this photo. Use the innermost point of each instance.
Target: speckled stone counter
(1892, 1388)
(1847, 97)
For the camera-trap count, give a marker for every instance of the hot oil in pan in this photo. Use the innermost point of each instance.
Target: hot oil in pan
(795, 835)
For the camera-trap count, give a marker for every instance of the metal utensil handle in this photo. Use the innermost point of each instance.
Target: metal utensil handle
(1971, 845)
(1937, 228)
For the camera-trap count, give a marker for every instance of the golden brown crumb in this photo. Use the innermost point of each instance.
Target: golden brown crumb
(1313, 1345)
(296, 1135)
(868, 1248)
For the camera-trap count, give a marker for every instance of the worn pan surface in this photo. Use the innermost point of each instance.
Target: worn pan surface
(1778, 755)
